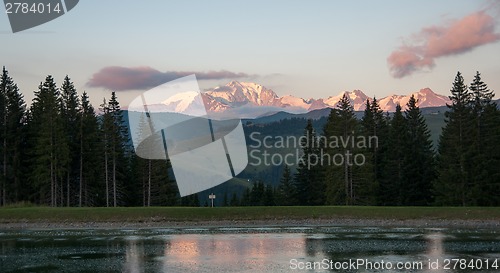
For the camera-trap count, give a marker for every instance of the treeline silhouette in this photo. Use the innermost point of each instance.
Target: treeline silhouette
(59, 152)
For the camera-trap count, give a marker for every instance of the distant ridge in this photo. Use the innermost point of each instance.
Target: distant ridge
(252, 100)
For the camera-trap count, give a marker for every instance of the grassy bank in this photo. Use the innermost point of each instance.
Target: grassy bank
(188, 214)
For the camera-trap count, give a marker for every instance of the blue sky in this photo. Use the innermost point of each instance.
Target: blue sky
(304, 48)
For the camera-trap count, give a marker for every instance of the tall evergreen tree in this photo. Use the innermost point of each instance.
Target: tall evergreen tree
(89, 154)
(3, 135)
(392, 181)
(346, 182)
(155, 184)
(308, 182)
(51, 154)
(70, 115)
(12, 117)
(287, 193)
(375, 124)
(115, 138)
(376, 129)
(269, 198)
(419, 164)
(257, 194)
(484, 152)
(453, 185)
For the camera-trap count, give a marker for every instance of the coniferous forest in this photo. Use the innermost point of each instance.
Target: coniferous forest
(61, 151)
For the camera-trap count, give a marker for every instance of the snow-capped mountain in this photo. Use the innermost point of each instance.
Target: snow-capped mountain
(246, 99)
(241, 93)
(425, 98)
(357, 98)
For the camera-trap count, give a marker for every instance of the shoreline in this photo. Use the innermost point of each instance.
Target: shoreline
(214, 224)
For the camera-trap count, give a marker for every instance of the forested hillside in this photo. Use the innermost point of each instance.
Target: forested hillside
(58, 152)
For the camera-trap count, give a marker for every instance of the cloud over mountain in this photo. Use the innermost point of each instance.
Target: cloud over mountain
(119, 78)
(433, 42)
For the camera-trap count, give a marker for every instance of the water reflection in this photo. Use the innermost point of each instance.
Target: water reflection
(435, 252)
(228, 253)
(134, 257)
(241, 250)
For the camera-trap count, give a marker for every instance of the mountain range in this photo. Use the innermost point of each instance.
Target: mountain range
(250, 100)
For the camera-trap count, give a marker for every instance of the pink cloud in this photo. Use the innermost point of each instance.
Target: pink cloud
(433, 42)
(119, 78)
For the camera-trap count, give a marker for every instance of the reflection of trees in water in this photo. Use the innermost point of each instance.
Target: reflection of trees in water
(375, 247)
(134, 257)
(314, 247)
(435, 250)
(435, 244)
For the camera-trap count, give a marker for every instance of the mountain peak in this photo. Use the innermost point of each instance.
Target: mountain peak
(235, 94)
(427, 91)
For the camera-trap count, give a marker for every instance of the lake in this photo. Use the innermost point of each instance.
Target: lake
(270, 249)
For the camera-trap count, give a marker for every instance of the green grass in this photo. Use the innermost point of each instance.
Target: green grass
(140, 214)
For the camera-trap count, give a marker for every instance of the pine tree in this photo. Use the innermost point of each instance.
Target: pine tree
(3, 135)
(155, 184)
(376, 129)
(88, 153)
(453, 185)
(308, 182)
(257, 194)
(106, 133)
(392, 181)
(346, 182)
(481, 94)
(268, 198)
(419, 164)
(115, 137)
(287, 193)
(51, 154)
(70, 108)
(12, 117)
(483, 155)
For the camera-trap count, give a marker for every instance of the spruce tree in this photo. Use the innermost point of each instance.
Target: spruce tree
(453, 185)
(257, 194)
(375, 125)
(268, 198)
(155, 184)
(89, 149)
(3, 136)
(391, 184)
(484, 159)
(419, 164)
(70, 108)
(286, 193)
(376, 129)
(115, 138)
(12, 137)
(346, 182)
(50, 153)
(308, 182)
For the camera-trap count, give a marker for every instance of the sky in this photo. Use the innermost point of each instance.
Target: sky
(309, 49)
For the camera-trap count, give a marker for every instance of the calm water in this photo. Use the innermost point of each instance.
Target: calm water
(325, 249)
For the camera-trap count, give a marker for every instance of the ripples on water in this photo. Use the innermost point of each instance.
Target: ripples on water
(267, 249)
